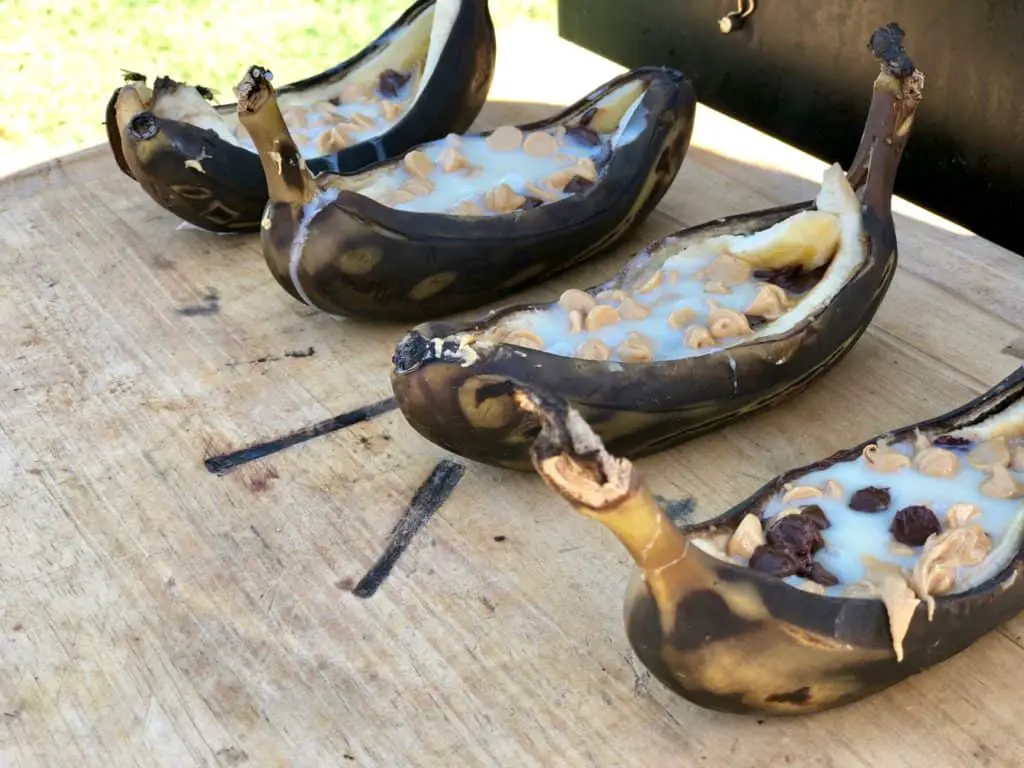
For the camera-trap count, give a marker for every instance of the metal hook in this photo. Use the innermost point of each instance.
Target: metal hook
(733, 21)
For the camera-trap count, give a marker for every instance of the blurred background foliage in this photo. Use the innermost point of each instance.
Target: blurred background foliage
(63, 58)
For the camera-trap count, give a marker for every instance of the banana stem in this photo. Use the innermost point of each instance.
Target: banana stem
(573, 462)
(288, 178)
(896, 95)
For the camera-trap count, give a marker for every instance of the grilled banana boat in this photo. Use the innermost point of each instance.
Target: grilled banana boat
(701, 328)
(468, 219)
(833, 581)
(426, 75)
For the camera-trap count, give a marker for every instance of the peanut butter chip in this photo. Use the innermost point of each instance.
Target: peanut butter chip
(697, 337)
(391, 110)
(507, 138)
(541, 191)
(635, 349)
(400, 196)
(935, 572)
(503, 199)
(802, 492)
(295, 117)
(651, 283)
(1002, 485)
(681, 317)
(575, 321)
(716, 287)
(833, 489)
(770, 303)
(523, 338)
(882, 458)
(585, 168)
(630, 309)
(594, 349)
(728, 269)
(418, 186)
(787, 512)
(540, 144)
(451, 160)
(614, 294)
(418, 164)
(600, 316)
(811, 586)
(574, 298)
(989, 454)
(363, 121)
(558, 180)
(725, 323)
(355, 92)
(936, 462)
(959, 515)
(747, 537)
(468, 208)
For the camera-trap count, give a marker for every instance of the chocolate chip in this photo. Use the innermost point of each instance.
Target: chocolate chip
(797, 533)
(771, 561)
(949, 441)
(820, 574)
(584, 136)
(817, 514)
(391, 82)
(531, 202)
(870, 499)
(913, 525)
(577, 184)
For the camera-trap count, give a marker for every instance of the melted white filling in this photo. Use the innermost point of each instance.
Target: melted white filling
(308, 114)
(676, 317)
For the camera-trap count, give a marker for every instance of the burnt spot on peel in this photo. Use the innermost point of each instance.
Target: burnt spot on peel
(292, 167)
(799, 696)
(704, 616)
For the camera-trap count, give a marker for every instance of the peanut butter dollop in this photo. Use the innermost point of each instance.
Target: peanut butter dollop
(961, 514)
(935, 572)
(1002, 485)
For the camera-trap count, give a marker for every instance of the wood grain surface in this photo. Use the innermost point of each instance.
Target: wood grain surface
(157, 614)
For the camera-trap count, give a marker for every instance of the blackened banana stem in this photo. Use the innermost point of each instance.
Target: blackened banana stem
(289, 181)
(573, 462)
(898, 90)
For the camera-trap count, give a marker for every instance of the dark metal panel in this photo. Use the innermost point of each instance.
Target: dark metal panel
(799, 70)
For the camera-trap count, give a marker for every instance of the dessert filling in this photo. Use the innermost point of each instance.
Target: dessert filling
(902, 522)
(362, 105)
(707, 295)
(510, 169)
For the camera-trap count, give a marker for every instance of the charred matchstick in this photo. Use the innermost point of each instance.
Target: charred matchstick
(221, 465)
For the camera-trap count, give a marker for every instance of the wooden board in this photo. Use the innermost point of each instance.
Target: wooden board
(157, 614)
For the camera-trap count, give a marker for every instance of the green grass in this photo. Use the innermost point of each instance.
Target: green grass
(66, 55)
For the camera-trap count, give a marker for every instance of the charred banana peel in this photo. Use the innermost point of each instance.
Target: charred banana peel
(414, 83)
(701, 328)
(832, 582)
(458, 222)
